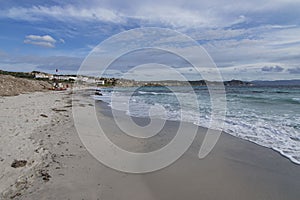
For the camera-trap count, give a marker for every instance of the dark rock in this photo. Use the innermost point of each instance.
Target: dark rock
(15, 195)
(45, 175)
(43, 115)
(59, 110)
(19, 163)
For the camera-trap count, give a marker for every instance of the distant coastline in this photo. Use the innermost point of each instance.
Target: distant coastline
(104, 81)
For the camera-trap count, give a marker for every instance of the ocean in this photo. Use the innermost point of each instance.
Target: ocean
(266, 115)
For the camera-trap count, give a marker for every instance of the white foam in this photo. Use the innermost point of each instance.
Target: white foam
(296, 100)
(271, 130)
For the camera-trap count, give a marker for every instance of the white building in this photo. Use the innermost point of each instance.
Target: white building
(66, 78)
(100, 82)
(43, 76)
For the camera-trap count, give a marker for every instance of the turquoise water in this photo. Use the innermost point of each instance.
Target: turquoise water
(268, 116)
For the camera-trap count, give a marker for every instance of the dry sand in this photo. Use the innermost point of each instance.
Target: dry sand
(24, 120)
(10, 86)
(63, 168)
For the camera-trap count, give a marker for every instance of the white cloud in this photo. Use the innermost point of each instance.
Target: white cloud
(249, 72)
(46, 38)
(215, 34)
(260, 44)
(44, 41)
(177, 14)
(17, 62)
(235, 33)
(37, 13)
(174, 16)
(173, 13)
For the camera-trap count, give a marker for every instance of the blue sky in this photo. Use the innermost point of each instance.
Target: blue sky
(248, 40)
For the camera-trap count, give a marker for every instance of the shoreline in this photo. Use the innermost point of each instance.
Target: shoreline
(280, 152)
(105, 109)
(235, 169)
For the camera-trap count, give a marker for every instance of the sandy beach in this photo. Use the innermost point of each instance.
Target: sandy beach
(149, 100)
(26, 120)
(38, 128)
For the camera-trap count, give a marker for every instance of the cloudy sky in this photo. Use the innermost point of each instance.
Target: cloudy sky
(248, 40)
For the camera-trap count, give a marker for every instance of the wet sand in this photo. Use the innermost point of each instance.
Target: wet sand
(235, 169)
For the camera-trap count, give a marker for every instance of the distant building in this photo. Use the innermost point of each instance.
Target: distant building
(73, 78)
(65, 78)
(100, 82)
(88, 80)
(43, 76)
